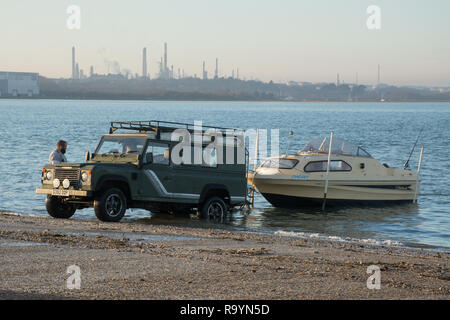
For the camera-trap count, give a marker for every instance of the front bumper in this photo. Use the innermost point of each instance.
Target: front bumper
(72, 193)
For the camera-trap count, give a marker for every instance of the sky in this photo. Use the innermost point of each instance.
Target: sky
(299, 40)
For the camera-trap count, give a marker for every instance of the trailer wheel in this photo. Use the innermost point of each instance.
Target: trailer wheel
(58, 209)
(214, 209)
(111, 205)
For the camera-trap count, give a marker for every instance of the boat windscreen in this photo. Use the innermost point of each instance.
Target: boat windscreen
(339, 146)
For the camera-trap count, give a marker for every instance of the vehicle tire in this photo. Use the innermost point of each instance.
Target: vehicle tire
(58, 209)
(214, 209)
(111, 205)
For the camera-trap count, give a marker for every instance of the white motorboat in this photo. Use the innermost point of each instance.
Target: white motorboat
(353, 175)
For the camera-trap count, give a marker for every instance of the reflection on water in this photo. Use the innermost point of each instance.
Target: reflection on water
(354, 222)
(30, 129)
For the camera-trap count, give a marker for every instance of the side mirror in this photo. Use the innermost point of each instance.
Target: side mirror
(149, 158)
(87, 156)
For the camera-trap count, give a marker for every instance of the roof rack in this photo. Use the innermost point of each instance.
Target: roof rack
(158, 126)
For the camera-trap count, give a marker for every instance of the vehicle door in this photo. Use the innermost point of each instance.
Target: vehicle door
(157, 177)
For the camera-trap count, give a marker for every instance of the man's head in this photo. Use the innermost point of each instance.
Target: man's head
(61, 145)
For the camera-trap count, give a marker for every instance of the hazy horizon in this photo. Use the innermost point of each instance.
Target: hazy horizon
(267, 40)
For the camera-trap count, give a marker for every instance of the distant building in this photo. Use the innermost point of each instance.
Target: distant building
(19, 84)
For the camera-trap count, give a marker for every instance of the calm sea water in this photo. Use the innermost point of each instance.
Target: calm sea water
(29, 130)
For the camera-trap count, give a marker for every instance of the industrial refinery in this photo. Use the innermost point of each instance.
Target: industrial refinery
(170, 82)
(165, 71)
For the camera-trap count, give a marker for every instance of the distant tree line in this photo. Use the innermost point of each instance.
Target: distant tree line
(227, 89)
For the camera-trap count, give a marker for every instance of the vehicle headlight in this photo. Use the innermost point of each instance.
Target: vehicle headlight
(66, 183)
(85, 176)
(49, 175)
(56, 183)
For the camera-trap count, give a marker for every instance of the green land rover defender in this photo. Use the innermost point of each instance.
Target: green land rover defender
(153, 165)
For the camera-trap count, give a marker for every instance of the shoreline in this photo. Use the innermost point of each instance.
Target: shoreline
(188, 224)
(138, 260)
(231, 100)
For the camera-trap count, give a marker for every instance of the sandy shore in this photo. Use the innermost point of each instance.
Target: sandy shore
(137, 260)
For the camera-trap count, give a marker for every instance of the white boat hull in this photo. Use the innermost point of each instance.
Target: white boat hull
(302, 192)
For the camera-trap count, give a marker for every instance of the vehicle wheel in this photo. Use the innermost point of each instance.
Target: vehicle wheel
(214, 209)
(58, 209)
(111, 205)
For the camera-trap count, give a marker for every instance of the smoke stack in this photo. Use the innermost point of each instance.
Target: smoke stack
(77, 71)
(73, 63)
(216, 73)
(144, 63)
(165, 56)
(205, 76)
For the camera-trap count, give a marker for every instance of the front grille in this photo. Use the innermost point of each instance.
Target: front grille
(72, 174)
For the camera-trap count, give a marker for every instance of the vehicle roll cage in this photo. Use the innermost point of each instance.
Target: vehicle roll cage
(158, 127)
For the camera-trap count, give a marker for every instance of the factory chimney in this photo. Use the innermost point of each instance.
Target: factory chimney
(205, 75)
(165, 56)
(73, 63)
(144, 63)
(77, 71)
(216, 73)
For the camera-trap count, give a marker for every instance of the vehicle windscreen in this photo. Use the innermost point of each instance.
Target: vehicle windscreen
(339, 146)
(121, 146)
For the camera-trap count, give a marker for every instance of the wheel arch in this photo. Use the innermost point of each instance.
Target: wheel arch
(214, 189)
(114, 181)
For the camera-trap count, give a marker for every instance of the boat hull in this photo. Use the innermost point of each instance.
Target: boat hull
(283, 201)
(294, 193)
